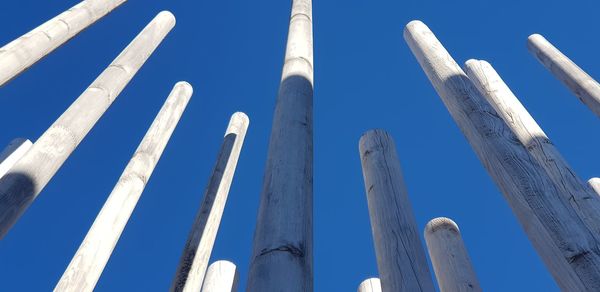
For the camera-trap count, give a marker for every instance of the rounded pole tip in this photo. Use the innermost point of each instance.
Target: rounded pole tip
(184, 86)
(370, 285)
(238, 123)
(168, 15)
(594, 180)
(224, 263)
(441, 223)
(370, 134)
(413, 26)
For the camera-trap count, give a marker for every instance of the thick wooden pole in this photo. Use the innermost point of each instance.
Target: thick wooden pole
(282, 256)
(565, 70)
(201, 239)
(12, 153)
(20, 54)
(449, 257)
(370, 285)
(221, 276)
(567, 246)
(594, 183)
(29, 176)
(401, 260)
(87, 265)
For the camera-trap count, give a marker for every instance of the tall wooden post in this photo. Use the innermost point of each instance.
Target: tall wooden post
(12, 153)
(29, 176)
(87, 265)
(565, 70)
(20, 54)
(370, 285)
(282, 256)
(594, 183)
(449, 257)
(200, 241)
(221, 276)
(567, 246)
(401, 260)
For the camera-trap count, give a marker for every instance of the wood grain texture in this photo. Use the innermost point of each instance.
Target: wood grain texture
(89, 261)
(221, 276)
(401, 259)
(594, 183)
(568, 247)
(449, 257)
(370, 285)
(20, 54)
(29, 176)
(12, 153)
(198, 247)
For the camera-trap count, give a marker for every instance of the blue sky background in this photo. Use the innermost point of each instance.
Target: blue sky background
(365, 77)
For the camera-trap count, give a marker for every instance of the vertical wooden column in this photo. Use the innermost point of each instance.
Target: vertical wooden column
(370, 285)
(221, 276)
(12, 153)
(400, 257)
(594, 183)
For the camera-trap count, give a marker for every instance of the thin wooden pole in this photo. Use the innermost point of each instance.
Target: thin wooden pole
(20, 54)
(565, 70)
(567, 246)
(29, 176)
(370, 285)
(449, 257)
(12, 153)
(594, 183)
(87, 265)
(282, 254)
(200, 241)
(400, 257)
(221, 276)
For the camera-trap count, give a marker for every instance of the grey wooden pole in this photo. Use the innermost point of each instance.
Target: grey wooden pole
(282, 255)
(89, 261)
(574, 190)
(20, 54)
(449, 257)
(221, 276)
(565, 70)
(594, 183)
(370, 285)
(567, 246)
(401, 260)
(200, 241)
(12, 153)
(29, 176)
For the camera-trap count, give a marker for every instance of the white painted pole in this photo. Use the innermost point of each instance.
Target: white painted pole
(565, 70)
(221, 276)
(370, 285)
(200, 241)
(567, 246)
(449, 257)
(87, 265)
(401, 259)
(282, 256)
(595, 184)
(12, 153)
(29, 176)
(574, 190)
(20, 54)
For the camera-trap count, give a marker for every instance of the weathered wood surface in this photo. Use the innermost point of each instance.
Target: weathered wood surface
(87, 265)
(565, 70)
(200, 241)
(594, 183)
(12, 153)
(29, 176)
(370, 285)
(568, 247)
(401, 259)
(449, 257)
(221, 276)
(282, 255)
(20, 54)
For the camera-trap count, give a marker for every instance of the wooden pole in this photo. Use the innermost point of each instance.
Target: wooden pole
(370, 285)
(282, 256)
(400, 257)
(565, 70)
(594, 183)
(569, 249)
(87, 265)
(449, 257)
(29, 176)
(20, 54)
(221, 276)
(12, 153)
(199, 244)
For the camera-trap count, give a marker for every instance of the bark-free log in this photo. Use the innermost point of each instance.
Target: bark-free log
(370, 285)
(29, 176)
(12, 153)
(594, 183)
(85, 268)
(401, 260)
(567, 246)
(221, 276)
(449, 257)
(282, 250)
(201, 239)
(20, 54)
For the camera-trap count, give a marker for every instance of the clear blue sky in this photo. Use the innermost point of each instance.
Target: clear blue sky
(365, 77)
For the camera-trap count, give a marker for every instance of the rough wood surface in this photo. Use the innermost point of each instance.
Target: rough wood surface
(565, 70)
(20, 54)
(370, 285)
(449, 257)
(221, 276)
(12, 153)
(594, 183)
(401, 259)
(282, 255)
(29, 176)
(568, 247)
(87, 265)
(200, 241)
